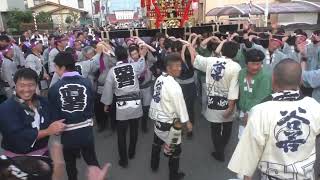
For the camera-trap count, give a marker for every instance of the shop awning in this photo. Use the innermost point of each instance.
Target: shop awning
(296, 6)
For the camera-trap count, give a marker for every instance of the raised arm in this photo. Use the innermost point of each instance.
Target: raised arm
(193, 53)
(219, 48)
(184, 47)
(183, 41)
(206, 41)
(150, 48)
(194, 41)
(190, 37)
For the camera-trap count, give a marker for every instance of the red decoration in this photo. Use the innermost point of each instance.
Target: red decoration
(158, 14)
(159, 9)
(148, 3)
(186, 13)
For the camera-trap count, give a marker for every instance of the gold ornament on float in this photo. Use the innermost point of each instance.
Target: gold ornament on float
(173, 23)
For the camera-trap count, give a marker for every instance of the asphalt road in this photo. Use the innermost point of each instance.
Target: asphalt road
(196, 160)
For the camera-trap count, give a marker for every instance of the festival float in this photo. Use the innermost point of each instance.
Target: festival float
(169, 13)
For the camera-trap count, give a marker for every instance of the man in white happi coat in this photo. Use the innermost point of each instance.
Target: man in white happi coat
(222, 92)
(279, 138)
(167, 105)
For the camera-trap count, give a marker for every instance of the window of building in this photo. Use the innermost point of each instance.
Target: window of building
(80, 4)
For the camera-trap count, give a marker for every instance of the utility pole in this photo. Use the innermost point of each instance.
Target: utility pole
(107, 11)
(92, 14)
(103, 9)
(61, 18)
(100, 7)
(266, 14)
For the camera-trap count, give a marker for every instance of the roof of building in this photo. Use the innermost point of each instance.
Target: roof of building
(59, 7)
(295, 6)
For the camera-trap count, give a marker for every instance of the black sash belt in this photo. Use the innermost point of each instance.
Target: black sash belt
(130, 97)
(163, 126)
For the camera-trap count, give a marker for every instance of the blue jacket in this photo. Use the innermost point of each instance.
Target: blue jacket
(18, 135)
(71, 98)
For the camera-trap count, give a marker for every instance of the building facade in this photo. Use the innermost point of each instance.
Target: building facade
(7, 5)
(59, 12)
(209, 4)
(273, 18)
(84, 5)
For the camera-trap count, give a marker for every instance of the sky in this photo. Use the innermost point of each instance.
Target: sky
(123, 5)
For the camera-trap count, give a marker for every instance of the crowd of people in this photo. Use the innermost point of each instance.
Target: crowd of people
(61, 84)
(127, 25)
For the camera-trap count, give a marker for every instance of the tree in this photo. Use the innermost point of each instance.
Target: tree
(75, 16)
(16, 17)
(44, 17)
(69, 20)
(72, 19)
